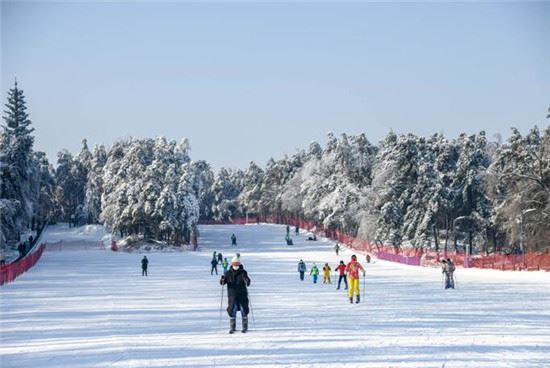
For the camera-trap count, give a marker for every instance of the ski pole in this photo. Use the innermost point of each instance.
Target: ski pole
(363, 286)
(251, 312)
(221, 307)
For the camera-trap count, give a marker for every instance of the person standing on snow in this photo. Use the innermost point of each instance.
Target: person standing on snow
(224, 265)
(314, 272)
(220, 258)
(144, 265)
(233, 240)
(301, 269)
(287, 231)
(353, 269)
(448, 269)
(342, 270)
(297, 231)
(337, 248)
(326, 274)
(237, 281)
(214, 263)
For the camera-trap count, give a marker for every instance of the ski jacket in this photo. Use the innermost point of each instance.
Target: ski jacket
(353, 269)
(214, 262)
(326, 270)
(144, 263)
(301, 267)
(237, 282)
(341, 268)
(314, 271)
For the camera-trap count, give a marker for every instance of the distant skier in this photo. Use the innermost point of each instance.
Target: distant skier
(144, 265)
(287, 231)
(220, 258)
(314, 272)
(342, 272)
(301, 269)
(297, 231)
(224, 265)
(237, 281)
(214, 264)
(353, 269)
(288, 240)
(337, 248)
(326, 274)
(233, 240)
(448, 269)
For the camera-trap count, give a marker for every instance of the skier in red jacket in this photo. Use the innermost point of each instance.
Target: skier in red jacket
(342, 270)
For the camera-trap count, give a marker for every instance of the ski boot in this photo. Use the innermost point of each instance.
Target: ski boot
(351, 300)
(232, 325)
(357, 300)
(245, 324)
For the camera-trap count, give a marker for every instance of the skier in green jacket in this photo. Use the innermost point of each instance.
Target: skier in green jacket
(314, 272)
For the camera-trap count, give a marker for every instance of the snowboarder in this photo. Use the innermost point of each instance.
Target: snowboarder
(314, 272)
(297, 231)
(326, 274)
(214, 263)
(337, 248)
(342, 271)
(233, 240)
(301, 269)
(237, 281)
(353, 272)
(220, 258)
(224, 265)
(144, 264)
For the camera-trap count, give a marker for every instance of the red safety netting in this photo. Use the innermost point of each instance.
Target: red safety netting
(411, 256)
(11, 271)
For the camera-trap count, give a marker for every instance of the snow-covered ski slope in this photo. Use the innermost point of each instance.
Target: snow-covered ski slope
(92, 308)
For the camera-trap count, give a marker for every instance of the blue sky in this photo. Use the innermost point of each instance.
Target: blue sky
(247, 81)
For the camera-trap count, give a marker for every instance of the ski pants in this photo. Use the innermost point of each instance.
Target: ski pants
(314, 279)
(144, 271)
(302, 276)
(342, 277)
(237, 308)
(353, 287)
(214, 268)
(326, 279)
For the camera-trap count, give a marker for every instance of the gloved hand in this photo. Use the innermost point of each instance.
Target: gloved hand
(222, 280)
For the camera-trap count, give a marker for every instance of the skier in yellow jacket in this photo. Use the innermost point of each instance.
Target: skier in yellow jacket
(326, 274)
(353, 276)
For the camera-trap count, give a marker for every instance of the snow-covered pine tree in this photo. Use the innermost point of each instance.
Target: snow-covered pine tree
(19, 189)
(251, 194)
(94, 185)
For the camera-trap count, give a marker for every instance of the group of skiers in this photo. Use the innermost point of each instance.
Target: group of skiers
(349, 272)
(218, 258)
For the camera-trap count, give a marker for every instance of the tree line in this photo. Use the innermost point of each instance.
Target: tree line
(467, 193)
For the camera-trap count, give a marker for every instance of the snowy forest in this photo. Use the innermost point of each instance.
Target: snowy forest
(466, 193)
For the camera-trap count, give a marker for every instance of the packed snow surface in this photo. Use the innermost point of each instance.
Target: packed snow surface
(92, 308)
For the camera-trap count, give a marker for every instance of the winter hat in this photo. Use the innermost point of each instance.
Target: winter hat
(236, 261)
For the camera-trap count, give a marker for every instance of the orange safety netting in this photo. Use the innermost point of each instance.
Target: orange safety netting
(9, 272)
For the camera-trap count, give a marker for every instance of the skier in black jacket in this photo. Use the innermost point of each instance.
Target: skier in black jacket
(237, 281)
(144, 264)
